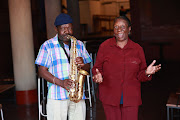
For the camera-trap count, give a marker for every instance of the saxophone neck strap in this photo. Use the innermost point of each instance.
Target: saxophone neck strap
(62, 45)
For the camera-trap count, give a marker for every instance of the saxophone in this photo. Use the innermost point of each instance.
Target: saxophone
(76, 75)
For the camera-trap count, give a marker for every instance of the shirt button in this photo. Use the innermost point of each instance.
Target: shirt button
(122, 81)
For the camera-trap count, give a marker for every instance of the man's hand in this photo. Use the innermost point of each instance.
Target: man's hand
(79, 62)
(151, 69)
(67, 84)
(98, 77)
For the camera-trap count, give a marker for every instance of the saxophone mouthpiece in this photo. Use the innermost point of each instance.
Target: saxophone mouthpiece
(68, 36)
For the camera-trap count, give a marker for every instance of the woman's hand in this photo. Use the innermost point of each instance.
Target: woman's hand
(151, 69)
(98, 77)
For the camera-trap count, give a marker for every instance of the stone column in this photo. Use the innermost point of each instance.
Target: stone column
(73, 11)
(52, 10)
(23, 51)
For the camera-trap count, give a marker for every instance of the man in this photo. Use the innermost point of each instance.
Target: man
(123, 12)
(53, 61)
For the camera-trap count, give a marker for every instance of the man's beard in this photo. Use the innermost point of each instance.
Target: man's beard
(64, 37)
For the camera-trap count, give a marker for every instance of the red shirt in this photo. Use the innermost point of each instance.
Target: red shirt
(123, 70)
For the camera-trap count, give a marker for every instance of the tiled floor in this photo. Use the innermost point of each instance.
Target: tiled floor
(154, 95)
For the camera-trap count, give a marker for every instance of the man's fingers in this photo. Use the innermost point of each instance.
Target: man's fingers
(68, 83)
(67, 88)
(79, 60)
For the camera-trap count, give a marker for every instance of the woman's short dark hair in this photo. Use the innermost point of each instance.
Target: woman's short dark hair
(124, 18)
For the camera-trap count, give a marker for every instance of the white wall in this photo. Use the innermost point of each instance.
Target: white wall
(87, 10)
(109, 9)
(84, 12)
(95, 9)
(102, 7)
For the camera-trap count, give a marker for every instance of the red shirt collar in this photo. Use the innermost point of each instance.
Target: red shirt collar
(128, 45)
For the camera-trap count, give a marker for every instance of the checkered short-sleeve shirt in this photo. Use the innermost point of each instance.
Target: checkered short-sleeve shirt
(52, 56)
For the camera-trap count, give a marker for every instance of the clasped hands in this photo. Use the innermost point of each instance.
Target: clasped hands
(151, 69)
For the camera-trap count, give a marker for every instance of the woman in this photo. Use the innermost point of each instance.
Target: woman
(119, 69)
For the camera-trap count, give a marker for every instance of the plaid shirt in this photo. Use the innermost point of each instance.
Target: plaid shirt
(52, 56)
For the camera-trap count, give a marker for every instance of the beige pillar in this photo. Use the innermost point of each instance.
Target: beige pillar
(52, 10)
(23, 51)
(73, 11)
